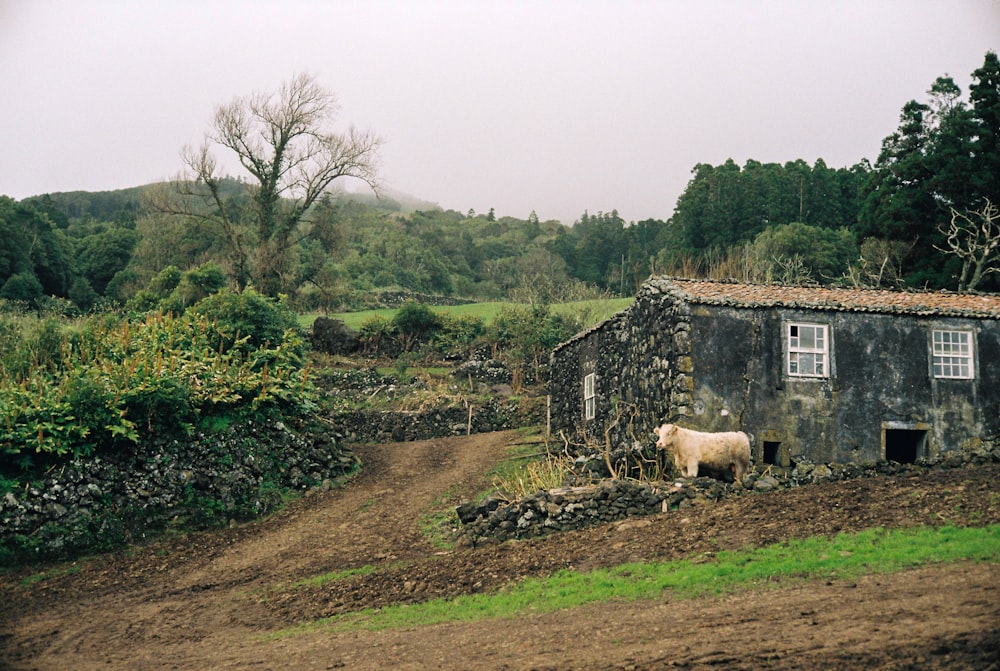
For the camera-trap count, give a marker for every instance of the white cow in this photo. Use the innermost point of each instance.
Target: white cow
(729, 451)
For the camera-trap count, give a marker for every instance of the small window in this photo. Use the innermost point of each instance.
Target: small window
(808, 350)
(589, 397)
(952, 354)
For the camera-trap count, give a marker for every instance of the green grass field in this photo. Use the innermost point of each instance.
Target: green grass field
(844, 556)
(592, 311)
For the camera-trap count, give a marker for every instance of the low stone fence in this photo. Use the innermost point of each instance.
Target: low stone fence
(376, 426)
(103, 501)
(565, 509)
(395, 299)
(570, 508)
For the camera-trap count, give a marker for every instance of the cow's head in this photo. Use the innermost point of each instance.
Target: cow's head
(664, 434)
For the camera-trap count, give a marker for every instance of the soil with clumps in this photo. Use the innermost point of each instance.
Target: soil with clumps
(211, 600)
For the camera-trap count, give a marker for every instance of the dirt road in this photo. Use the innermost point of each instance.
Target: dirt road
(209, 600)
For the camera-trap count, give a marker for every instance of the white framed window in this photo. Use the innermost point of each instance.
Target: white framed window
(589, 397)
(951, 354)
(808, 350)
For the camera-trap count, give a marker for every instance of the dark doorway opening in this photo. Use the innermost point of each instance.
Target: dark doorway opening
(905, 445)
(774, 453)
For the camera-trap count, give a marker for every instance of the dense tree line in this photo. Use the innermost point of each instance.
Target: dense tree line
(923, 215)
(943, 158)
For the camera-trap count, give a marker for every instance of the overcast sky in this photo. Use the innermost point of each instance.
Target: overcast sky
(552, 106)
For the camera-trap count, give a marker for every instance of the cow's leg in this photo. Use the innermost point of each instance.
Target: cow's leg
(737, 470)
(692, 468)
(679, 465)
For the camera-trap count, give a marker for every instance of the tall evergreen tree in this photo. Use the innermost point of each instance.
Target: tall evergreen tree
(944, 157)
(985, 96)
(899, 204)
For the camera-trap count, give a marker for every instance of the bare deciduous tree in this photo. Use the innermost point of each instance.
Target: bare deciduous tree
(880, 264)
(974, 237)
(284, 143)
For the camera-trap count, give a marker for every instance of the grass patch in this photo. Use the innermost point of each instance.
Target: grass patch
(45, 575)
(528, 467)
(439, 521)
(842, 557)
(320, 580)
(595, 311)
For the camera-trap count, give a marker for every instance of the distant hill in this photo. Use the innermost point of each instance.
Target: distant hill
(391, 200)
(98, 205)
(105, 205)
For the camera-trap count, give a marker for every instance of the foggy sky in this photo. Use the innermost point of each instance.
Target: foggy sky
(553, 106)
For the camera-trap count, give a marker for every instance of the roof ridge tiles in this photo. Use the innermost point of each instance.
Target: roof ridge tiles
(857, 299)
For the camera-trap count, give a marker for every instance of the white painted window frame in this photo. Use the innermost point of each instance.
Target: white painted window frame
(589, 396)
(952, 353)
(797, 353)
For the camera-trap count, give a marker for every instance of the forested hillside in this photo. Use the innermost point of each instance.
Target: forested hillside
(924, 215)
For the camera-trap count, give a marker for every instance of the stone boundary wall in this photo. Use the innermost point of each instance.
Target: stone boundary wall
(118, 495)
(375, 426)
(396, 299)
(566, 509)
(570, 508)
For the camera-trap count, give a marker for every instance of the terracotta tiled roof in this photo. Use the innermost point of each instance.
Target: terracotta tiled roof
(706, 292)
(826, 298)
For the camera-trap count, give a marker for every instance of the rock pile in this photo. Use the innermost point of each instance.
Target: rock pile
(489, 371)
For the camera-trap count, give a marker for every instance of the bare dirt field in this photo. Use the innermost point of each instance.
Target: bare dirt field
(210, 600)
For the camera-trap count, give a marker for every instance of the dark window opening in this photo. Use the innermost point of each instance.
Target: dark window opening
(772, 453)
(904, 445)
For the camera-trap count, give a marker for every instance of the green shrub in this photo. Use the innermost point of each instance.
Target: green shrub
(377, 335)
(530, 331)
(524, 336)
(195, 285)
(82, 294)
(165, 281)
(247, 320)
(158, 289)
(112, 382)
(22, 287)
(415, 323)
(457, 335)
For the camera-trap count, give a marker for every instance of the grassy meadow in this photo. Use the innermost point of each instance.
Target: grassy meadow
(590, 311)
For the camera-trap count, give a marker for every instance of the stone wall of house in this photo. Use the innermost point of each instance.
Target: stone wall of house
(641, 358)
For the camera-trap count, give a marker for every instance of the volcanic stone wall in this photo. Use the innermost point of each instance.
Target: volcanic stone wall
(376, 426)
(565, 509)
(103, 501)
(641, 359)
(568, 508)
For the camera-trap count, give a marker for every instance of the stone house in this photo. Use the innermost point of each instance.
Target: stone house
(813, 374)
